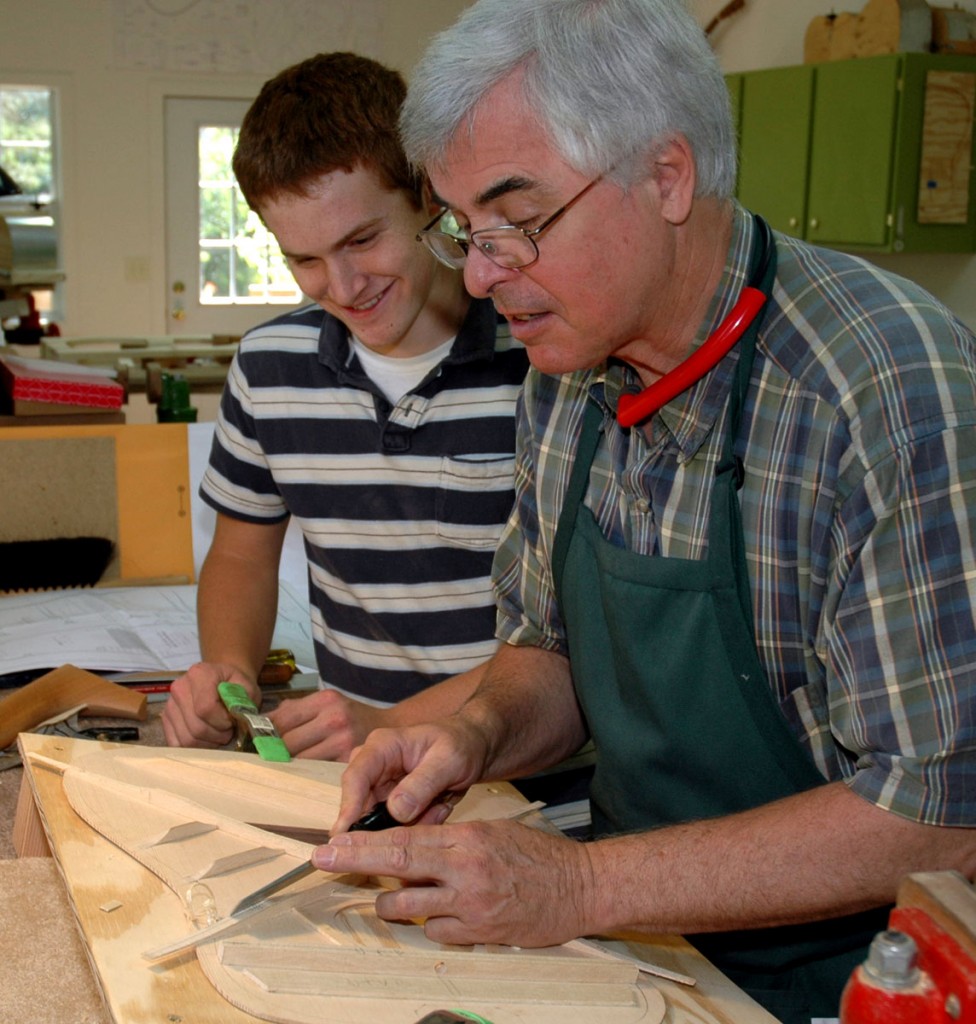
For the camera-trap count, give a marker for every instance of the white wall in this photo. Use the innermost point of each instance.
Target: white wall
(112, 115)
(769, 33)
(112, 136)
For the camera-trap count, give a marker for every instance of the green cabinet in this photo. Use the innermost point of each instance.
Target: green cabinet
(872, 154)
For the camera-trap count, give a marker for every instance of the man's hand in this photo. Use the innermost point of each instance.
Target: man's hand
(490, 881)
(412, 769)
(194, 715)
(325, 725)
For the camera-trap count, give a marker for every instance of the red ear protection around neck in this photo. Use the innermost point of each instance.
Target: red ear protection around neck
(631, 409)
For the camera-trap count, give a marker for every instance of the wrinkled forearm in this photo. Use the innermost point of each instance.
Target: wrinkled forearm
(819, 854)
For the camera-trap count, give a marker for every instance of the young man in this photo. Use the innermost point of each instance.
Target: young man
(755, 593)
(381, 418)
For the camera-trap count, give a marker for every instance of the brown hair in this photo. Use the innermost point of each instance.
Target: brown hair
(334, 111)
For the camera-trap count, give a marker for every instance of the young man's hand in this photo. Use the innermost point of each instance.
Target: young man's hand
(325, 725)
(194, 715)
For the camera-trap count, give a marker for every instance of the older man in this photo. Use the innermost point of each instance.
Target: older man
(748, 577)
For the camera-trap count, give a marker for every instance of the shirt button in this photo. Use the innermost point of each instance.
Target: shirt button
(643, 506)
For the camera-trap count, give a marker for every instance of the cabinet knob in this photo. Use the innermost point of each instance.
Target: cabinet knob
(794, 221)
(814, 223)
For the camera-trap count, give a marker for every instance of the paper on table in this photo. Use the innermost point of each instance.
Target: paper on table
(124, 629)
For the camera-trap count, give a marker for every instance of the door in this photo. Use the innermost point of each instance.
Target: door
(224, 272)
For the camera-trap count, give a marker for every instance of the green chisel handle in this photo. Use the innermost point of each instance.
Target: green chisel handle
(258, 728)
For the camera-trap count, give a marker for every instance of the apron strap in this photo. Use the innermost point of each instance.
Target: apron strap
(762, 271)
(726, 529)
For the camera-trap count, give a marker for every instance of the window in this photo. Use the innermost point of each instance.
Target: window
(240, 262)
(29, 196)
(26, 139)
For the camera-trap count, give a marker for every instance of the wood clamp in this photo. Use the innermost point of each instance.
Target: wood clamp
(922, 969)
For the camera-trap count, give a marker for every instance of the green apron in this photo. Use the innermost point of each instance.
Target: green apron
(683, 720)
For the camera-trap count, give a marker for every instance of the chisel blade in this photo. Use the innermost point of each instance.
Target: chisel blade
(279, 883)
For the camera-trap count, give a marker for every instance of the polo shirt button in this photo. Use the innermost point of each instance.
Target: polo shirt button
(643, 506)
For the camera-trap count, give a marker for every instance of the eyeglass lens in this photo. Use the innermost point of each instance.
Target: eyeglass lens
(507, 246)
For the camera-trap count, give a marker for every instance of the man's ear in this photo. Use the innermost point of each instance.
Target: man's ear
(427, 200)
(673, 173)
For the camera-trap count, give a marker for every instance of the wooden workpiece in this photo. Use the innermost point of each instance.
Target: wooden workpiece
(61, 690)
(948, 899)
(320, 944)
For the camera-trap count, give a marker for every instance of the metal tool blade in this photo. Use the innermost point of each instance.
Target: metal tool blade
(372, 821)
(302, 833)
(282, 882)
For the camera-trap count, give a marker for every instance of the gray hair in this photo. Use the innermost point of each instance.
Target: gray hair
(607, 80)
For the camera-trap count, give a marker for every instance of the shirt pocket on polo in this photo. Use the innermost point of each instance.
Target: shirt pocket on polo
(474, 499)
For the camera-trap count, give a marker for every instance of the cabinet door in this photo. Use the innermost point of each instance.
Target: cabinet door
(933, 196)
(774, 144)
(852, 145)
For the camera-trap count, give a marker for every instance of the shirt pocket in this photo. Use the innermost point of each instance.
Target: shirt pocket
(474, 499)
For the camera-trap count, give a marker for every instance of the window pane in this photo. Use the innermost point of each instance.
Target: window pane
(28, 159)
(25, 138)
(216, 212)
(240, 262)
(214, 275)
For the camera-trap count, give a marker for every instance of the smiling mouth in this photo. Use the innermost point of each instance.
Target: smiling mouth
(365, 307)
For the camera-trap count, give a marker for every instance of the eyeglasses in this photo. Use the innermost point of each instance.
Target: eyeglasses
(506, 246)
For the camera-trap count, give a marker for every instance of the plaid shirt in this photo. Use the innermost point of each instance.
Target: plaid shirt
(859, 515)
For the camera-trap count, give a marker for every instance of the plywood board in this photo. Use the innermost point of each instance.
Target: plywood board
(880, 27)
(320, 951)
(947, 144)
(96, 871)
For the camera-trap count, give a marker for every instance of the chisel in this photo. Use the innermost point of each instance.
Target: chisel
(375, 820)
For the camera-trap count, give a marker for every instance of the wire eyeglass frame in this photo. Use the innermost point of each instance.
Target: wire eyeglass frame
(507, 246)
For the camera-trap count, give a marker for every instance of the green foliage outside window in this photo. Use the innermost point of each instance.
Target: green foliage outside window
(239, 259)
(25, 138)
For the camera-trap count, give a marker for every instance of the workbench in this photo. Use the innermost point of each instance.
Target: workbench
(95, 871)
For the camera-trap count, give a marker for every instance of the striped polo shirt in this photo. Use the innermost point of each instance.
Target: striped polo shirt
(401, 507)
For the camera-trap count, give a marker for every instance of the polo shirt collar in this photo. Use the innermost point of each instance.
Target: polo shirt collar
(475, 338)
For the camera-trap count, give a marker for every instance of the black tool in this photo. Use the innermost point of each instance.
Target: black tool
(375, 820)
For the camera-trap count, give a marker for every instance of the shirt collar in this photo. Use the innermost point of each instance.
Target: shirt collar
(476, 337)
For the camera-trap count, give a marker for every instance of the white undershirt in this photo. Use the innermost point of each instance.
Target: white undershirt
(395, 377)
